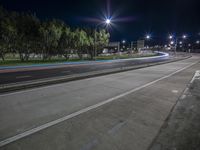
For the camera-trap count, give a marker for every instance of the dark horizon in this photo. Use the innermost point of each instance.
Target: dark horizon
(131, 19)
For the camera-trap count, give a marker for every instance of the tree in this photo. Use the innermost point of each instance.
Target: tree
(25, 34)
(50, 33)
(102, 40)
(64, 45)
(80, 42)
(90, 48)
(28, 35)
(8, 32)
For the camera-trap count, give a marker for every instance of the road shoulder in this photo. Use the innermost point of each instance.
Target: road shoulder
(181, 130)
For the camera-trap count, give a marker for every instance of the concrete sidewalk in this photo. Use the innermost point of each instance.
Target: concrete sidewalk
(129, 122)
(182, 129)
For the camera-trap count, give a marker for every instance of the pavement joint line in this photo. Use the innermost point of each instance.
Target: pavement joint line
(57, 121)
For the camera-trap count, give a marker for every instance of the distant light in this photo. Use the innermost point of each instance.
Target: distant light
(189, 44)
(148, 36)
(172, 42)
(170, 37)
(197, 42)
(184, 36)
(180, 42)
(165, 46)
(108, 21)
(123, 41)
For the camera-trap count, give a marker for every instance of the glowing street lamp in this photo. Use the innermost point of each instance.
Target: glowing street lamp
(148, 37)
(184, 36)
(108, 21)
(172, 42)
(180, 42)
(170, 37)
(197, 42)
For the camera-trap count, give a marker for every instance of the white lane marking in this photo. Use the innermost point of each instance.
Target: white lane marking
(49, 124)
(196, 76)
(21, 77)
(175, 91)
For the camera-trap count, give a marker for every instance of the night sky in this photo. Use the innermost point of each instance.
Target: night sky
(132, 19)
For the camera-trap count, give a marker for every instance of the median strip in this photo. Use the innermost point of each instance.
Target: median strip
(56, 80)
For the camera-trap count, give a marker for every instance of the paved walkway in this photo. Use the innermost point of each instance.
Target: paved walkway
(182, 129)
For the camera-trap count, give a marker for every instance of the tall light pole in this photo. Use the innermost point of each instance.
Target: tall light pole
(176, 41)
(107, 22)
(147, 37)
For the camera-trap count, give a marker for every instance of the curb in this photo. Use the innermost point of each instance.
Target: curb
(44, 82)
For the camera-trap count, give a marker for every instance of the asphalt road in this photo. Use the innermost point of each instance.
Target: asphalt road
(16, 75)
(118, 111)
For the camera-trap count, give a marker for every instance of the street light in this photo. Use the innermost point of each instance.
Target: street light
(123, 41)
(107, 22)
(184, 36)
(170, 37)
(148, 36)
(176, 41)
(197, 42)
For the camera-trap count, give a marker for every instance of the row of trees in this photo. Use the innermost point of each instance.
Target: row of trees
(25, 34)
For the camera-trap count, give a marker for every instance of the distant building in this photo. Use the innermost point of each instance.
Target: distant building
(112, 47)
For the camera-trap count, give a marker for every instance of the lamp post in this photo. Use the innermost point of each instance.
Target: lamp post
(147, 37)
(107, 22)
(176, 41)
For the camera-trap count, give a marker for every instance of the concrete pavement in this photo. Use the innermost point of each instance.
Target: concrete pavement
(182, 128)
(119, 111)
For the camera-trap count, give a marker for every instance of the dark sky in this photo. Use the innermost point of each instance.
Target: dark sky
(131, 18)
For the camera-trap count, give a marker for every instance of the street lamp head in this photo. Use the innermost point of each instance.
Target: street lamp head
(148, 36)
(170, 36)
(184, 36)
(197, 42)
(172, 42)
(108, 21)
(123, 41)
